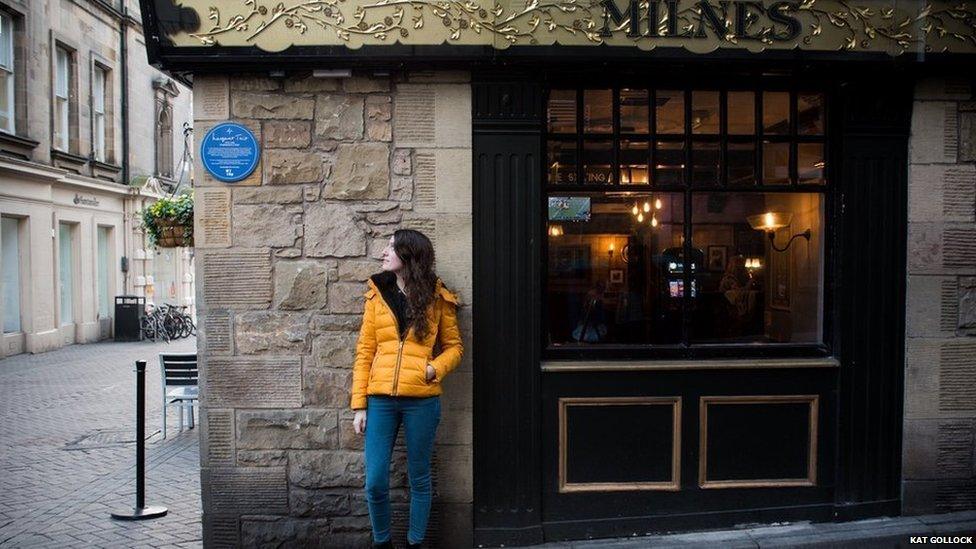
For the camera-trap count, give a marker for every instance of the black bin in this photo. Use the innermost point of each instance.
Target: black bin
(129, 310)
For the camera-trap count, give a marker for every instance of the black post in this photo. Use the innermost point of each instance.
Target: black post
(141, 512)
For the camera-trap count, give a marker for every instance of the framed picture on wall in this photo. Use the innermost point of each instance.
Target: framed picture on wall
(717, 258)
(616, 276)
(780, 285)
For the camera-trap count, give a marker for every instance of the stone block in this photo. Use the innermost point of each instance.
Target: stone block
(348, 438)
(365, 85)
(262, 458)
(967, 136)
(245, 490)
(211, 98)
(362, 171)
(336, 323)
(437, 76)
(379, 111)
(211, 217)
(942, 193)
(259, 105)
(455, 427)
(335, 349)
(931, 307)
(339, 116)
(319, 503)
(921, 378)
(918, 497)
(286, 166)
(942, 89)
(327, 386)
(217, 442)
(314, 469)
(266, 332)
(967, 305)
(265, 224)
(283, 194)
(401, 188)
(236, 279)
(920, 449)
(346, 297)
(925, 248)
(301, 285)
(287, 134)
(311, 84)
(934, 133)
(402, 163)
(253, 82)
(455, 480)
(332, 230)
(957, 377)
(959, 248)
(357, 270)
(285, 532)
(252, 382)
(214, 334)
(287, 429)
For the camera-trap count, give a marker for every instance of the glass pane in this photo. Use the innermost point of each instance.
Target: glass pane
(670, 111)
(597, 162)
(633, 162)
(6, 42)
(104, 268)
(776, 163)
(742, 112)
(810, 113)
(562, 111)
(10, 261)
(704, 112)
(670, 166)
(66, 272)
(810, 162)
(6, 101)
(100, 137)
(742, 163)
(615, 276)
(62, 77)
(750, 292)
(633, 111)
(705, 167)
(562, 162)
(776, 113)
(598, 111)
(98, 91)
(61, 124)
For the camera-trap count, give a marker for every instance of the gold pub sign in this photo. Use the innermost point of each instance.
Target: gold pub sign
(894, 27)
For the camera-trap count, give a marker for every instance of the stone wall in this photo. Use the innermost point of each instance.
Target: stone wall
(282, 259)
(939, 458)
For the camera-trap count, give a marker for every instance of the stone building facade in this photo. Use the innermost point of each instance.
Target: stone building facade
(940, 374)
(284, 256)
(69, 209)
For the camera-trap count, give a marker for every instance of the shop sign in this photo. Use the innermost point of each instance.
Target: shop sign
(229, 152)
(85, 200)
(700, 26)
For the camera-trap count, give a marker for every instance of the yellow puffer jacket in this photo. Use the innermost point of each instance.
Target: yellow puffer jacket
(385, 365)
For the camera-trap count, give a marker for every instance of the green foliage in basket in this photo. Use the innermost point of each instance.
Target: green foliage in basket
(169, 211)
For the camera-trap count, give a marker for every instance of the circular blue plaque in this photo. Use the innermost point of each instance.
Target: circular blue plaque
(229, 152)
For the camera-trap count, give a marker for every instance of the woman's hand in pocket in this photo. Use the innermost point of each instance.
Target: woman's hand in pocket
(359, 422)
(431, 373)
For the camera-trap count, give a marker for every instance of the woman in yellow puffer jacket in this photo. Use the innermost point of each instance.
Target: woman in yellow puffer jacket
(397, 377)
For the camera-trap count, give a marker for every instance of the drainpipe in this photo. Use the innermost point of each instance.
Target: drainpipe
(124, 119)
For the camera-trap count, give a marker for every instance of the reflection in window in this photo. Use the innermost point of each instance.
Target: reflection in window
(561, 162)
(705, 164)
(776, 113)
(670, 112)
(633, 162)
(741, 112)
(810, 162)
(633, 111)
(742, 163)
(810, 114)
(597, 111)
(749, 291)
(597, 162)
(704, 112)
(670, 167)
(562, 111)
(776, 163)
(615, 269)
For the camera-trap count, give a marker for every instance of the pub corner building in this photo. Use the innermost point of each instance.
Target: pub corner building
(717, 260)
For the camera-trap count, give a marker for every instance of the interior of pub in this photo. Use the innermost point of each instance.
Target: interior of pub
(632, 173)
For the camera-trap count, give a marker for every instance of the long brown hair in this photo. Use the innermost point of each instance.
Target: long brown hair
(417, 254)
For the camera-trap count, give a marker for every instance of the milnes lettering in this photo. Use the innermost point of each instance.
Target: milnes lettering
(725, 20)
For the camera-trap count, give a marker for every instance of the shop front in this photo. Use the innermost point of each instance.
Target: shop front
(696, 258)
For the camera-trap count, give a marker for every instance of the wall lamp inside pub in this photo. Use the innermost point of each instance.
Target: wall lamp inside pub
(770, 222)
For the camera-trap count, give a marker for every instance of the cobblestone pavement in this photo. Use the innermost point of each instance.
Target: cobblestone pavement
(67, 456)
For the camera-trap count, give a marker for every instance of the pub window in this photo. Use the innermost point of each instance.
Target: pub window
(8, 107)
(685, 217)
(100, 100)
(63, 86)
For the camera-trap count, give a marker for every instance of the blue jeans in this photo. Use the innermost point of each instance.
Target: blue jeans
(420, 417)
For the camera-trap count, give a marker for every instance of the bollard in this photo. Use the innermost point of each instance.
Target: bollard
(141, 512)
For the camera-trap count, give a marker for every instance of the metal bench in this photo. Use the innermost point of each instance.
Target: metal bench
(180, 386)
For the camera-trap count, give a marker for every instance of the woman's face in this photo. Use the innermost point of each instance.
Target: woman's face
(391, 261)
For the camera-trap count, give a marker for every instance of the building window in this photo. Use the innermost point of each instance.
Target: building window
(100, 88)
(671, 213)
(66, 271)
(8, 110)
(62, 99)
(164, 140)
(106, 268)
(10, 262)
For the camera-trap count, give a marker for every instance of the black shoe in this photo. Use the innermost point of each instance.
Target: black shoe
(388, 544)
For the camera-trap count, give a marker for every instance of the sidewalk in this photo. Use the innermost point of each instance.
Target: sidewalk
(861, 534)
(67, 460)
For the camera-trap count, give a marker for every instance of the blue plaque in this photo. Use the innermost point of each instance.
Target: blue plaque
(229, 152)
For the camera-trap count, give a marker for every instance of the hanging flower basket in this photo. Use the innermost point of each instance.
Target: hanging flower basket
(168, 222)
